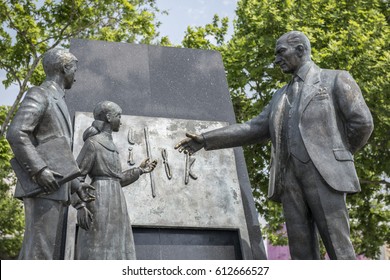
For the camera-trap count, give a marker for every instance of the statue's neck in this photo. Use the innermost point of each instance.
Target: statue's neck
(56, 79)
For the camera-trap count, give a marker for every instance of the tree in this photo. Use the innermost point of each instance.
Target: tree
(11, 212)
(350, 35)
(212, 36)
(28, 29)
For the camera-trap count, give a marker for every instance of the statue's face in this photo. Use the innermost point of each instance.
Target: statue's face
(115, 120)
(70, 70)
(287, 57)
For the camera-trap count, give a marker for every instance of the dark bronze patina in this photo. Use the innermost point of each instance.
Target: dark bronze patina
(315, 124)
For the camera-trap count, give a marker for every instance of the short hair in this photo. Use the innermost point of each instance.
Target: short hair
(55, 59)
(295, 38)
(103, 108)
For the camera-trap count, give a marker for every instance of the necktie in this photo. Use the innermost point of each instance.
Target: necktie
(294, 89)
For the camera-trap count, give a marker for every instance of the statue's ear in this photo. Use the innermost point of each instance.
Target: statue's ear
(300, 50)
(108, 117)
(66, 68)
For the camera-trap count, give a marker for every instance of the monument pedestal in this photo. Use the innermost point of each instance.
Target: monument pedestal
(206, 209)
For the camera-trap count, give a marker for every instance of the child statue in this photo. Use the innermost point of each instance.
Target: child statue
(105, 229)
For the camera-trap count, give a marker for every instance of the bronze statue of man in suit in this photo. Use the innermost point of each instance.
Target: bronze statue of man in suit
(42, 117)
(315, 123)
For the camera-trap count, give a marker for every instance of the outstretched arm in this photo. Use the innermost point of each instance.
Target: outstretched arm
(254, 131)
(131, 175)
(191, 144)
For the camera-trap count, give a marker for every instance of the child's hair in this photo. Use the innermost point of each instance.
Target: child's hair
(103, 108)
(100, 115)
(94, 129)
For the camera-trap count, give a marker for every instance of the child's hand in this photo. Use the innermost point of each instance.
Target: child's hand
(146, 166)
(84, 218)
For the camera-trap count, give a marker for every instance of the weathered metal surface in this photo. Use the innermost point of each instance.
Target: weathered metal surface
(211, 201)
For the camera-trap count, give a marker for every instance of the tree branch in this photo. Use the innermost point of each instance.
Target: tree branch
(23, 33)
(11, 70)
(22, 89)
(375, 182)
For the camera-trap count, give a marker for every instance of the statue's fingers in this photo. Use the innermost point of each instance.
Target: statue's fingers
(53, 185)
(89, 187)
(180, 144)
(46, 190)
(56, 174)
(191, 135)
(86, 224)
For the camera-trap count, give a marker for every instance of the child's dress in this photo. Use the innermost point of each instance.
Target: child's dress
(110, 235)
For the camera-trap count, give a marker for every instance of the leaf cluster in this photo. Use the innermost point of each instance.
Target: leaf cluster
(29, 28)
(211, 36)
(11, 211)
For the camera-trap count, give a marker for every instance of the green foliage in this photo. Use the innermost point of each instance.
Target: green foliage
(29, 28)
(212, 36)
(11, 212)
(349, 35)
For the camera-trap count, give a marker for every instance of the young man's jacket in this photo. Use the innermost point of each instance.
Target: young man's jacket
(42, 116)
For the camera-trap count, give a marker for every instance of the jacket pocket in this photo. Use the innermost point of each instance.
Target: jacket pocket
(342, 155)
(322, 96)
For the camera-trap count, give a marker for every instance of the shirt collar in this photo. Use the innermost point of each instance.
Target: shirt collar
(302, 72)
(59, 91)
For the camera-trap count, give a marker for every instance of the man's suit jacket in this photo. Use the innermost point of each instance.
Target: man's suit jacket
(334, 122)
(42, 116)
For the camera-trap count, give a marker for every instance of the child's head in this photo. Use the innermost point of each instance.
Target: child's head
(105, 112)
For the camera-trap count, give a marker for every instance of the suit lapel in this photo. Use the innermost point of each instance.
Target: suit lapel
(276, 123)
(277, 114)
(61, 105)
(310, 87)
(64, 110)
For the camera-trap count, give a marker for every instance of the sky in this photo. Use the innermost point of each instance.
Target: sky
(181, 14)
(194, 13)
